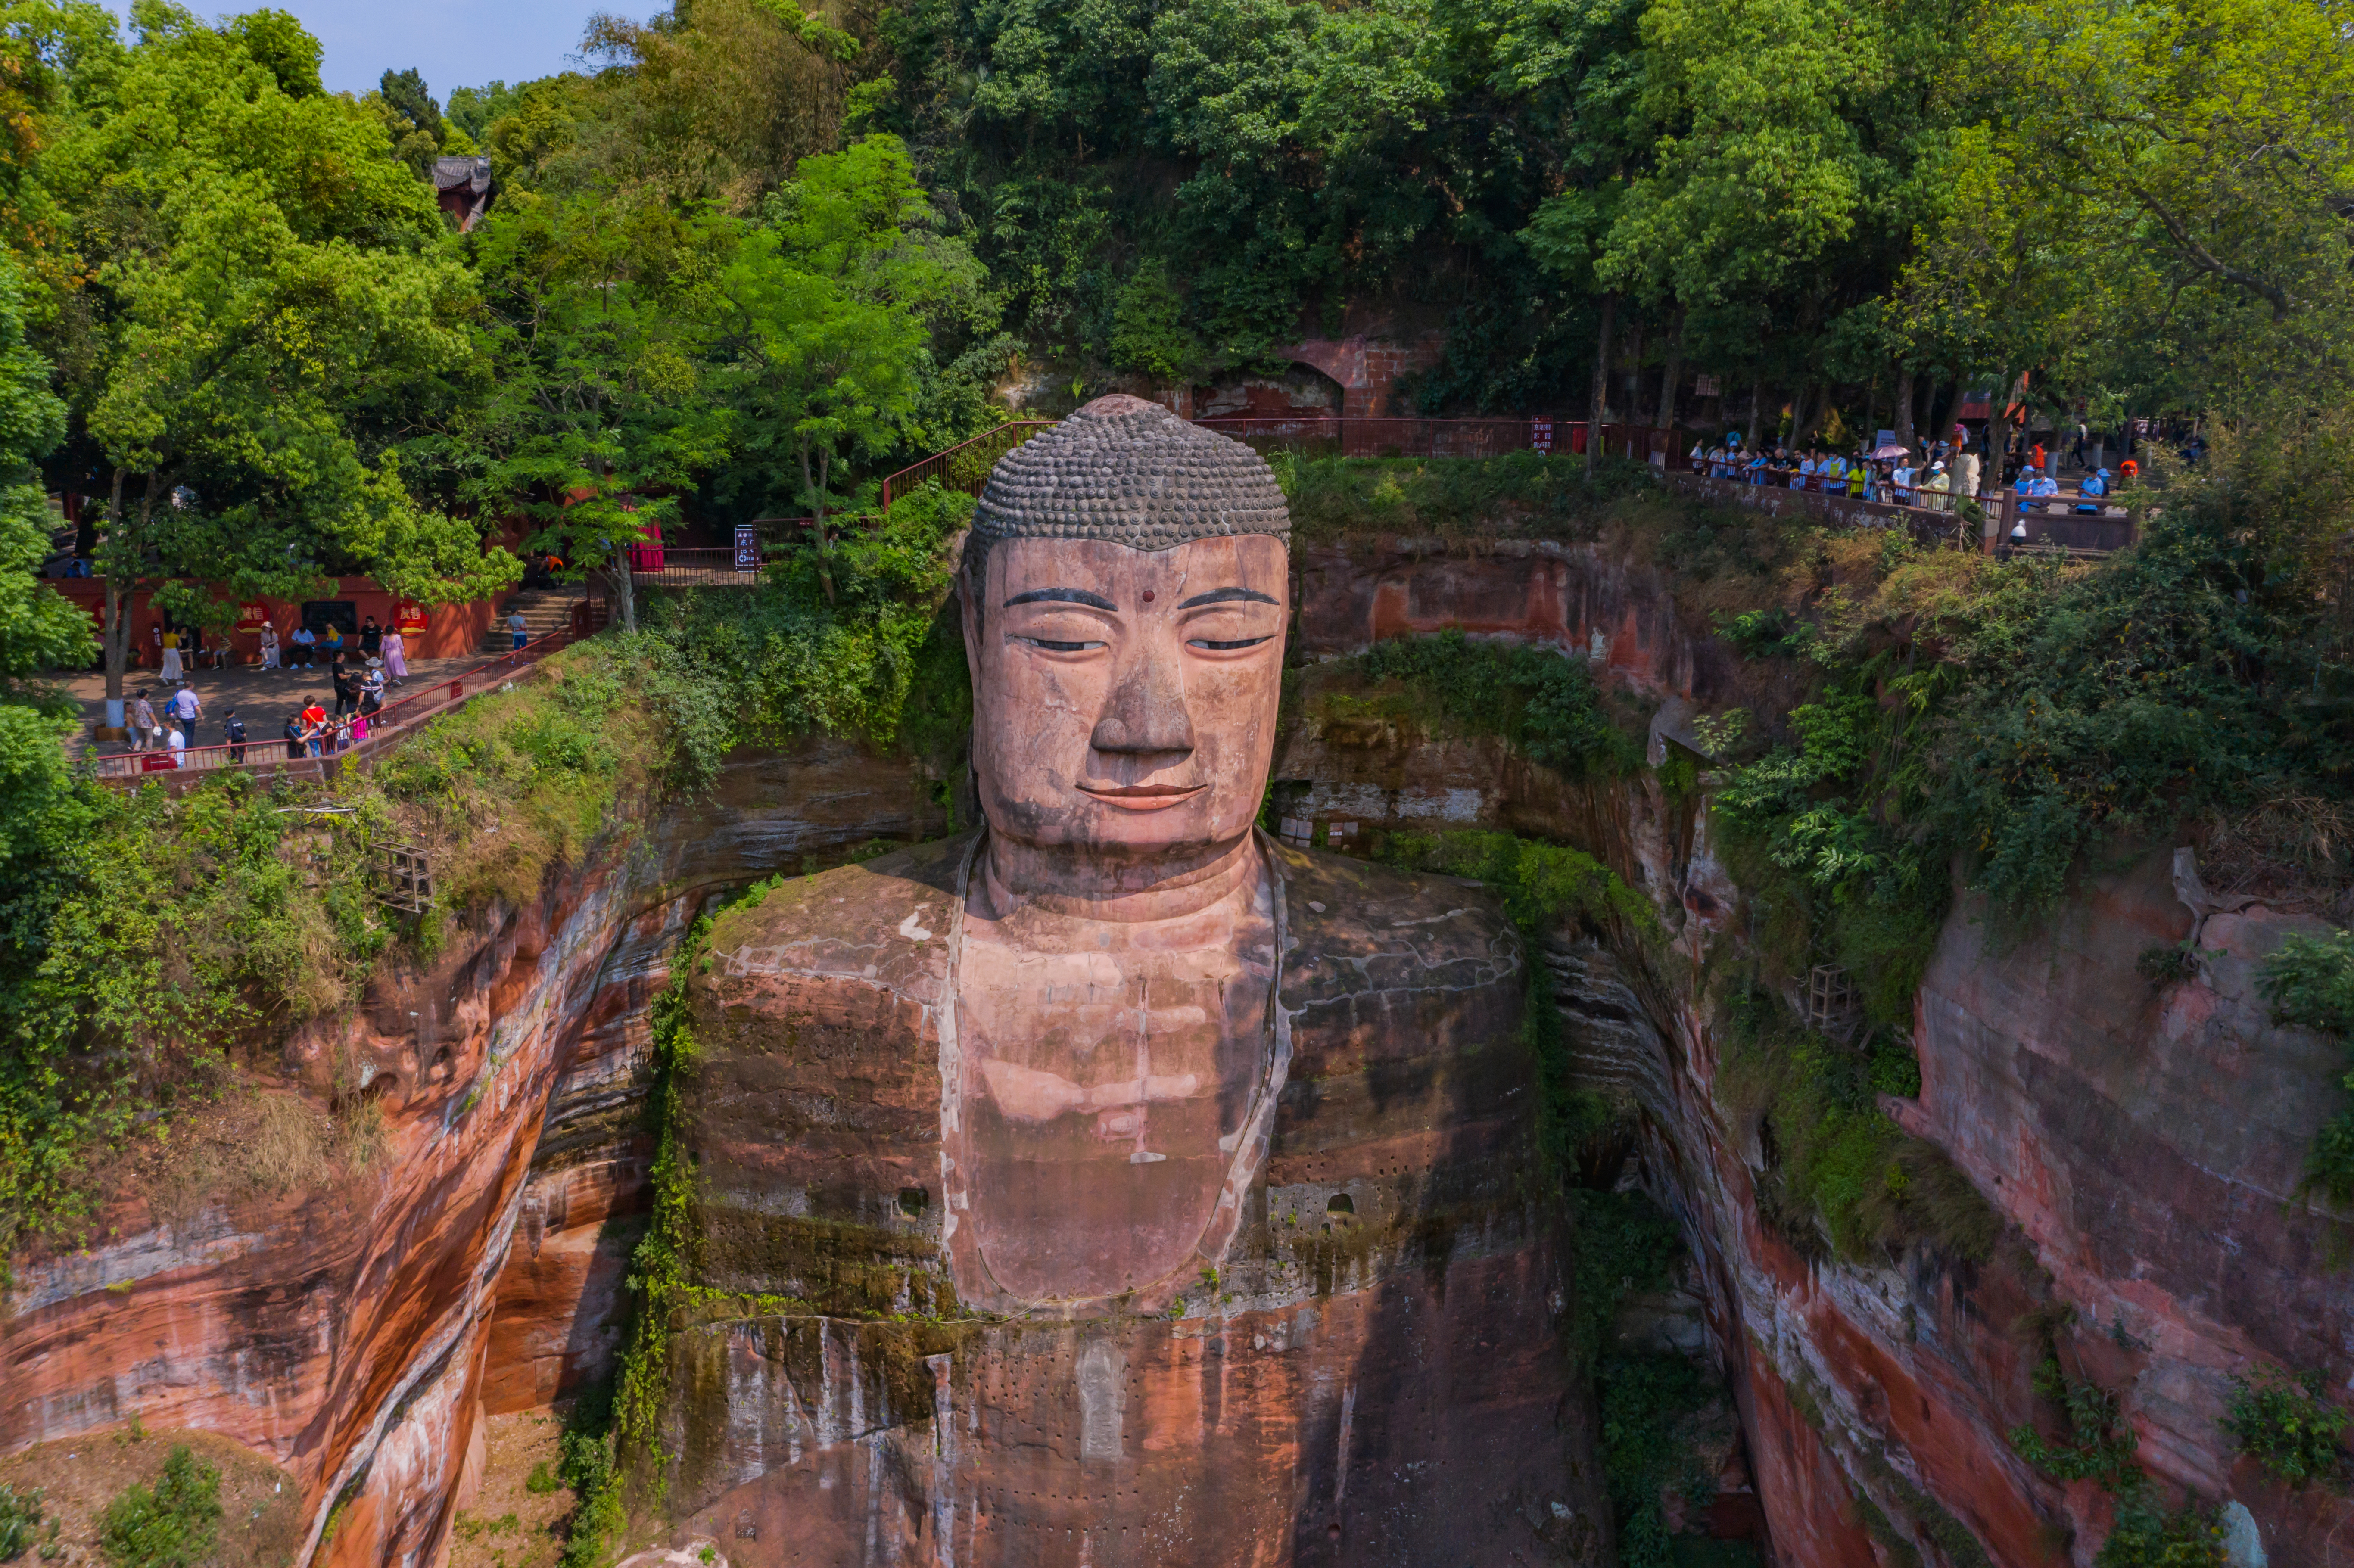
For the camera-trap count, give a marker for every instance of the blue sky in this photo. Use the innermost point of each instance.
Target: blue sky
(455, 43)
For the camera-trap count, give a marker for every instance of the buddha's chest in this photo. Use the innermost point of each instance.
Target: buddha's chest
(1106, 1076)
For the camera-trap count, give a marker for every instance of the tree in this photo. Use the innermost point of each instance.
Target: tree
(261, 274)
(600, 413)
(826, 311)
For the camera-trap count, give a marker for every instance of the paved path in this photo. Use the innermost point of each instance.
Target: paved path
(263, 698)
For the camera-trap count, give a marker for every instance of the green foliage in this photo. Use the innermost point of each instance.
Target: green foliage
(1626, 1246)
(2309, 980)
(1643, 1400)
(2096, 1443)
(170, 1525)
(20, 1516)
(1834, 1159)
(542, 1480)
(2284, 1421)
(1456, 496)
(1538, 882)
(2147, 1536)
(1149, 327)
(1545, 705)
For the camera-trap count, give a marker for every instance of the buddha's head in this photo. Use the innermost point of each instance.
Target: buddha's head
(1125, 590)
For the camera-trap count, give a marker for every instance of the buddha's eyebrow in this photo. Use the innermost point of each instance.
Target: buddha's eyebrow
(1062, 595)
(1226, 596)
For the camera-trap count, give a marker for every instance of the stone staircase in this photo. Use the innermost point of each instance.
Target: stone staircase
(544, 610)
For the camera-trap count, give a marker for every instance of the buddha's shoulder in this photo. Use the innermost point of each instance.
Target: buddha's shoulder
(1353, 927)
(882, 923)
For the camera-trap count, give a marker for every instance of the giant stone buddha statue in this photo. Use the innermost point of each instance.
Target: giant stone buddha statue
(1112, 1185)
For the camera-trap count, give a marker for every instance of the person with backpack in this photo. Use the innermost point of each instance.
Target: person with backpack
(294, 737)
(233, 731)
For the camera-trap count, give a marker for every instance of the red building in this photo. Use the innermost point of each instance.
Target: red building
(462, 186)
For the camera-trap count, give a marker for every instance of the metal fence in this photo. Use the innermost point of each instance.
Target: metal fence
(267, 756)
(665, 567)
(1352, 437)
(2081, 525)
(966, 465)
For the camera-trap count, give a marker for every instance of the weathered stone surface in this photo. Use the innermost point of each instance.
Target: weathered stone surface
(1381, 1331)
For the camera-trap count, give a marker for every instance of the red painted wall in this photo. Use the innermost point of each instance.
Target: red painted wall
(457, 630)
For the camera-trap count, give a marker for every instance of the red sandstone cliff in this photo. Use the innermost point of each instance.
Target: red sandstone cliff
(2142, 1141)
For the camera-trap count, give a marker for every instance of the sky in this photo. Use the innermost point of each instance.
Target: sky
(454, 43)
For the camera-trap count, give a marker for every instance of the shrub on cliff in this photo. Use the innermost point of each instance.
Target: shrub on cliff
(168, 1525)
(2285, 1423)
(2309, 981)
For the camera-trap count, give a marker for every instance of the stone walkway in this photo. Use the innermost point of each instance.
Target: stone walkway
(263, 698)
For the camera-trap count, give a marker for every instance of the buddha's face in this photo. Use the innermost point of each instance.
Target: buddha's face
(1124, 701)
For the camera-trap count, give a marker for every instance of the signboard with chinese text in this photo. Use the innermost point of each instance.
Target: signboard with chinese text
(409, 617)
(748, 548)
(1540, 435)
(252, 616)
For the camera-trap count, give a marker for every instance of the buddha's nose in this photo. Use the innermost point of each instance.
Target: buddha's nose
(1146, 711)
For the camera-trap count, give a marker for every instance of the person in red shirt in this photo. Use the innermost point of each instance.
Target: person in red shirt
(2035, 458)
(315, 723)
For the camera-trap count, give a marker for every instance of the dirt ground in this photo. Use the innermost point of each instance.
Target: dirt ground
(509, 1525)
(259, 1527)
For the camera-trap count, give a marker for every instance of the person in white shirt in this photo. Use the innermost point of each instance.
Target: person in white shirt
(303, 641)
(179, 745)
(1901, 481)
(269, 646)
(519, 628)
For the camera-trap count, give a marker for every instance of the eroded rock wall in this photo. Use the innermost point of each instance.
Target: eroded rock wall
(348, 1334)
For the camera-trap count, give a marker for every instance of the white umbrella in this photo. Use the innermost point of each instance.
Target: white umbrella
(1891, 450)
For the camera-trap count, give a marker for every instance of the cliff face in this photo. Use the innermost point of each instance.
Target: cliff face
(348, 1335)
(2143, 1142)
(2140, 1141)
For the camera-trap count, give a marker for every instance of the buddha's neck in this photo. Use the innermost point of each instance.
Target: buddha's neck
(1080, 884)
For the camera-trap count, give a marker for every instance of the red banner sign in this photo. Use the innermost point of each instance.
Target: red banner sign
(252, 616)
(407, 618)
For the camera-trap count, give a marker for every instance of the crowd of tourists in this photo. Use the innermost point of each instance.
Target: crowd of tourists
(174, 650)
(312, 731)
(1937, 477)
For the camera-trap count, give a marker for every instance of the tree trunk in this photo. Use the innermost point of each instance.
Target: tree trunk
(817, 508)
(1944, 399)
(1757, 411)
(1671, 379)
(114, 637)
(1904, 405)
(1597, 409)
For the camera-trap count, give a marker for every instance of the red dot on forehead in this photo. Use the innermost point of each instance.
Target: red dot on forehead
(1148, 596)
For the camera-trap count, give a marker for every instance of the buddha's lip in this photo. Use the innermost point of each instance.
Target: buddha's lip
(1143, 797)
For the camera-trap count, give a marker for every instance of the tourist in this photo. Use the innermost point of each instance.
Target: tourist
(185, 708)
(1700, 458)
(305, 641)
(331, 639)
(315, 723)
(2044, 484)
(371, 686)
(1937, 490)
(1804, 473)
(179, 745)
(1858, 475)
(2129, 474)
(269, 646)
(371, 638)
(1759, 463)
(519, 628)
(2035, 455)
(172, 672)
(233, 731)
(156, 643)
(347, 689)
(145, 728)
(1832, 474)
(396, 655)
(1901, 481)
(295, 737)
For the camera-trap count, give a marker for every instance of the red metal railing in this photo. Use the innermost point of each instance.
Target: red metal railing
(966, 465)
(1413, 437)
(266, 755)
(667, 567)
